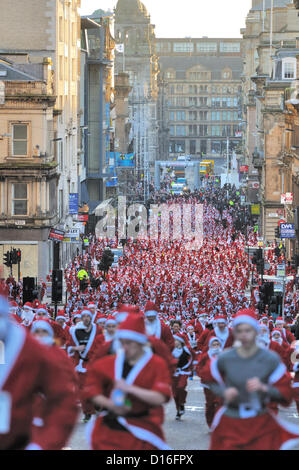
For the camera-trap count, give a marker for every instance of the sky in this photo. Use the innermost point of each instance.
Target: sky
(189, 18)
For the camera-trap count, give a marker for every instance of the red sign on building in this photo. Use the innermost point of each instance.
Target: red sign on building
(244, 169)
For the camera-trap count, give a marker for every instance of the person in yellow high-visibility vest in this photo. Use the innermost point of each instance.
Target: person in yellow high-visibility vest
(82, 274)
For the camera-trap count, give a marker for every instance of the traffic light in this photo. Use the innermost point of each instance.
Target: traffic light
(257, 256)
(13, 256)
(261, 266)
(277, 232)
(7, 259)
(106, 261)
(19, 256)
(57, 286)
(29, 291)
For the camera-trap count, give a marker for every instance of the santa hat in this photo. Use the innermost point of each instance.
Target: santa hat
(150, 309)
(220, 319)
(110, 321)
(86, 312)
(279, 321)
(276, 331)
(246, 316)
(42, 309)
(91, 305)
(61, 316)
(42, 325)
(132, 328)
(28, 306)
(101, 319)
(124, 310)
(179, 337)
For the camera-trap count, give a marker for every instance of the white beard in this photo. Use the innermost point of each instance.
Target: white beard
(177, 352)
(151, 328)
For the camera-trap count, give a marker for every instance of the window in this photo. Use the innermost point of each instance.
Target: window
(226, 116)
(215, 115)
(180, 130)
(171, 131)
(203, 130)
(180, 116)
(203, 101)
(171, 116)
(193, 130)
(192, 101)
(180, 88)
(203, 115)
(230, 47)
(206, 46)
(20, 139)
(183, 47)
(19, 199)
(163, 47)
(180, 101)
(192, 115)
(215, 130)
(192, 147)
(177, 146)
(289, 69)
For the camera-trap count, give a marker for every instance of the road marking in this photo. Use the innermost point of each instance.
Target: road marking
(194, 408)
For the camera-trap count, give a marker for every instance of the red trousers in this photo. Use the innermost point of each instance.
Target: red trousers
(87, 407)
(104, 438)
(213, 404)
(179, 391)
(259, 433)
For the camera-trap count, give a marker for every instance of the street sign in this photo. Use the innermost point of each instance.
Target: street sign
(287, 231)
(255, 209)
(56, 235)
(73, 203)
(72, 236)
(281, 270)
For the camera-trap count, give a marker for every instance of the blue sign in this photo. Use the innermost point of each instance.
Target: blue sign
(287, 231)
(73, 203)
(125, 160)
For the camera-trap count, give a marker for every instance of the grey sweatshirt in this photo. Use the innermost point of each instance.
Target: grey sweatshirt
(235, 372)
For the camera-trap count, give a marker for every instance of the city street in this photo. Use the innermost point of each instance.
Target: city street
(191, 432)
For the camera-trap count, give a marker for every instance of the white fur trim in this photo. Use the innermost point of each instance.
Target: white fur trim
(14, 343)
(151, 313)
(277, 373)
(215, 371)
(131, 335)
(38, 422)
(33, 446)
(246, 319)
(217, 418)
(144, 435)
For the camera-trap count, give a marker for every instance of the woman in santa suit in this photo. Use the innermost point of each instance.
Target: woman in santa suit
(183, 370)
(130, 389)
(248, 378)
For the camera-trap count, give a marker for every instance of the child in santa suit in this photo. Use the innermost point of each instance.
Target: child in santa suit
(130, 389)
(213, 403)
(183, 371)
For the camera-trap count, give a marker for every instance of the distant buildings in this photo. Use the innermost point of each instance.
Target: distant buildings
(200, 95)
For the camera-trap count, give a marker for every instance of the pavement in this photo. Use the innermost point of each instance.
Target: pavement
(191, 432)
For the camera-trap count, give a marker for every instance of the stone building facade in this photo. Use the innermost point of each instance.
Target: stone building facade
(51, 28)
(29, 173)
(270, 74)
(133, 29)
(200, 95)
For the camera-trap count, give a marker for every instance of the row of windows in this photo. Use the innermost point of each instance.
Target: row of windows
(189, 46)
(215, 102)
(203, 116)
(193, 146)
(204, 130)
(194, 89)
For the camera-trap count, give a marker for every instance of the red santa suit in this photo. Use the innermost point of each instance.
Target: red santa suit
(141, 428)
(157, 328)
(28, 370)
(81, 360)
(286, 334)
(183, 370)
(213, 403)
